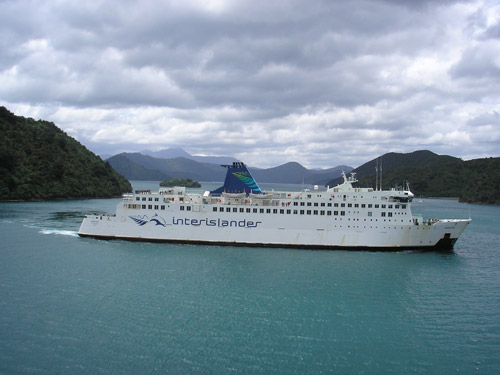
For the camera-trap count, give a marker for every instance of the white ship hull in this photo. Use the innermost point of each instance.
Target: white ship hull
(275, 230)
(343, 217)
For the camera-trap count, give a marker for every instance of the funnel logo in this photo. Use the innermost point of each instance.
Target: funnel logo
(249, 181)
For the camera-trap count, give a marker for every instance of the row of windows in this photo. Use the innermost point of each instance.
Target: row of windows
(150, 199)
(355, 205)
(257, 210)
(283, 211)
(316, 204)
(144, 206)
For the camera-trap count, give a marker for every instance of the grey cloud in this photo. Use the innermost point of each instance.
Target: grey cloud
(477, 62)
(491, 118)
(334, 68)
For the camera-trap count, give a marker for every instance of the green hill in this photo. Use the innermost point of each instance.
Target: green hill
(432, 175)
(187, 182)
(472, 181)
(38, 161)
(393, 160)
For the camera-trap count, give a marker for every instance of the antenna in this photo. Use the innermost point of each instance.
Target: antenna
(376, 175)
(381, 173)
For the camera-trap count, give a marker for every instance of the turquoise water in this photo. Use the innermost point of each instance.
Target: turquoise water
(71, 305)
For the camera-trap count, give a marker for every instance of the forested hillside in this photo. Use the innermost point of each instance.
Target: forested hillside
(433, 175)
(473, 181)
(39, 161)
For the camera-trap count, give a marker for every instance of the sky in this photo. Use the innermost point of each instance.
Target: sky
(322, 83)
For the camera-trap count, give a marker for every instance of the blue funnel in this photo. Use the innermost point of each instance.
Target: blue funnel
(238, 180)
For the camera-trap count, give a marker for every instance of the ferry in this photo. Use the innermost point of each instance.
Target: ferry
(240, 213)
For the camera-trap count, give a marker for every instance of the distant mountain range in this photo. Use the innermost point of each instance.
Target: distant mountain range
(137, 166)
(171, 153)
(429, 174)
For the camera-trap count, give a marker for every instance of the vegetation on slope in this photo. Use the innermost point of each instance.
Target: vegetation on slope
(473, 181)
(38, 161)
(187, 182)
(432, 175)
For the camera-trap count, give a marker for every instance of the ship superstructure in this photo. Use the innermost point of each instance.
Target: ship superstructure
(240, 213)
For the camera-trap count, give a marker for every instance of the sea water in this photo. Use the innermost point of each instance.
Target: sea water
(71, 305)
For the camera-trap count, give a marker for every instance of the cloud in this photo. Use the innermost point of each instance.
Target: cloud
(322, 83)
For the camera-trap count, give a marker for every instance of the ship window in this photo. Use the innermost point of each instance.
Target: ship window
(295, 212)
(242, 209)
(156, 207)
(143, 206)
(181, 208)
(377, 206)
(261, 210)
(309, 204)
(383, 206)
(143, 198)
(390, 206)
(214, 209)
(342, 205)
(329, 205)
(369, 213)
(301, 203)
(349, 204)
(383, 214)
(295, 203)
(329, 213)
(322, 213)
(335, 205)
(322, 205)
(282, 211)
(335, 213)
(308, 195)
(363, 205)
(275, 211)
(137, 198)
(389, 214)
(150, 199)
(370, 205)
(188, 208)
(156, 199)
(302, 212)
(315, 212)
(221, 209)
(162, 207)
(254, 210)
(268, 211)
(150, 207)
(228, 209)
(396, 206)
(316, 204)
(235, 209)
(308, 212)
(288, 212)
(403, 206)
(248, 210)
(342, 213)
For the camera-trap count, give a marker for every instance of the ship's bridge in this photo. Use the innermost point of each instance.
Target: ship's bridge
(393, 195)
